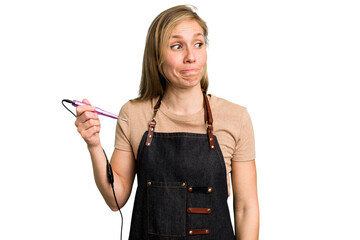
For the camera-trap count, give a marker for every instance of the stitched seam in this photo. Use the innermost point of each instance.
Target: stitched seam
(223, 168)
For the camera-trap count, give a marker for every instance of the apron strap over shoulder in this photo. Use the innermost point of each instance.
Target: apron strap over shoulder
(208, 120)
(152, 123)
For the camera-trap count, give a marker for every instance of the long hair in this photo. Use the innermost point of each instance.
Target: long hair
(153, 82)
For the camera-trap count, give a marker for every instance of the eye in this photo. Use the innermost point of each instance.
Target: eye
(199, 44)
(175, 47)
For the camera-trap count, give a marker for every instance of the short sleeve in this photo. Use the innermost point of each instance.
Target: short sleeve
(122, 137)
(245, 142)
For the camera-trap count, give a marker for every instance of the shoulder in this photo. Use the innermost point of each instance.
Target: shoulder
(233, 127)
(226, 109)
(135, 107)
(137, 111)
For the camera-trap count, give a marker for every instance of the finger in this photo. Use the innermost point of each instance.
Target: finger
(86, 101)
(84, 108)
(85, 117)
(87, 134)
(80, 109)
(89, 124)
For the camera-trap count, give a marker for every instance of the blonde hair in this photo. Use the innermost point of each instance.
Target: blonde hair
(153, 82)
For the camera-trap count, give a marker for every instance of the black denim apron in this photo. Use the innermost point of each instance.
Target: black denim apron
(182, 189)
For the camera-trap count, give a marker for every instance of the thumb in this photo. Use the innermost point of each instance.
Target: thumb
(86, 101)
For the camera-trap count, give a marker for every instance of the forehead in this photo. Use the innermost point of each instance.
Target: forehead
(187, 28)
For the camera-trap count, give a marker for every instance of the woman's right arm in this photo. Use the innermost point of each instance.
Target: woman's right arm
(122, 162)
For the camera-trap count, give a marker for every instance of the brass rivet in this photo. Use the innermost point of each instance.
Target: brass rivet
(152, 129)
(207, 231)
(190, 189)
(209, 189)
(149, 183)
(150, 136)
(190, 232)
(211, 139)
(148, 144)
(183, 184)
(212, 146)
(209, 210)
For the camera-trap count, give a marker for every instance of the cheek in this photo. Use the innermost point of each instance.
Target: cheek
(205, 57)
(202, 57)
(170, 64)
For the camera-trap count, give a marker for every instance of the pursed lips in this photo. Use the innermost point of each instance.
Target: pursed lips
(190, 70)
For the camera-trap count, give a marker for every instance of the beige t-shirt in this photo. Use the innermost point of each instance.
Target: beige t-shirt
(232, 127)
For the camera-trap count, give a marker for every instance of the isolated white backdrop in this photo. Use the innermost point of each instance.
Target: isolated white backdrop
(293, 64)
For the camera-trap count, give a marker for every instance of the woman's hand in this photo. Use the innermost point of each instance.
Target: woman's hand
(88, 124)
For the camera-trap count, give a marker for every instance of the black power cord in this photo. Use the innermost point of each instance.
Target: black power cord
(68, 101)
(109, 171)
(111, 180)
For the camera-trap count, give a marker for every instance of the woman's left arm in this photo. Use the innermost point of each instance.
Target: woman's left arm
(246, 206)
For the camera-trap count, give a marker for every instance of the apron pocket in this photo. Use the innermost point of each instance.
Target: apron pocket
(166, 207)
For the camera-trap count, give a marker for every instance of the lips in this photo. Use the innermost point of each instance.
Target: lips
(189, 71)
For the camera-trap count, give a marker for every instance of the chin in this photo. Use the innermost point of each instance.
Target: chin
(192, 83)
(186, 82)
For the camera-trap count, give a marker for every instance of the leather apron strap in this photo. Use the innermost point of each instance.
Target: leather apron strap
(208, 121)
(152, 123)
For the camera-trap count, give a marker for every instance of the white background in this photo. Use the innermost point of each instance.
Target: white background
(294, 64)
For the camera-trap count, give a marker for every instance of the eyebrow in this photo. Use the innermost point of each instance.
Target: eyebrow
(195, 35)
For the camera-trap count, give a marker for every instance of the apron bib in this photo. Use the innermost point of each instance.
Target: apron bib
(182, 189)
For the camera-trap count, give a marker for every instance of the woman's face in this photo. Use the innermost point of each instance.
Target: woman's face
(185, 56)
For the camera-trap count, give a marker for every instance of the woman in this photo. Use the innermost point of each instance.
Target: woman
(181, 143)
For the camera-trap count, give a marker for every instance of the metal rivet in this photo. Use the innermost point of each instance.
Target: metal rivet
(209, 189)
(149, 183)
(207, 231)
(183, 184)
(211, 139)
(150, 136)
(148, 144)
(190, 232)
(212, 146)
(190, 189)
(152, 129)
(209, 210)
(189, 209)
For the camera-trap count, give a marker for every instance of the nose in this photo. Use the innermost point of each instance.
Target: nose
(189, 56)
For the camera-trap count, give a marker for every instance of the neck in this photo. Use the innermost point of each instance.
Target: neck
(183, 101)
